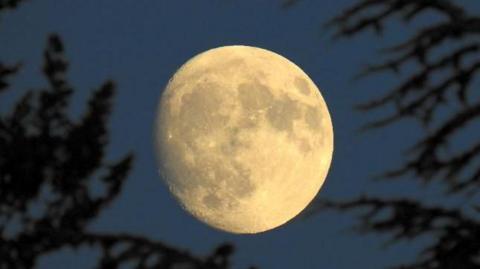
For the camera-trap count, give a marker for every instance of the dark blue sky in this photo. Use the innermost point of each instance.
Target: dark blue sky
(139, 44)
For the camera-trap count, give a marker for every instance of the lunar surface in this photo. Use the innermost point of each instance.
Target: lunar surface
(243, 137)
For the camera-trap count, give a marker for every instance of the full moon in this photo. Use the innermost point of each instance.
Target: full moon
(243, 137)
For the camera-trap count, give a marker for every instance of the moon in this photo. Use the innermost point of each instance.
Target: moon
(243, 137)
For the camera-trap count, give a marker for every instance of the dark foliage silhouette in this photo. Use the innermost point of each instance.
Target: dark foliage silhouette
(51, 171)
(54, 178)
(9, 4)
(437, 66)
(421, 95)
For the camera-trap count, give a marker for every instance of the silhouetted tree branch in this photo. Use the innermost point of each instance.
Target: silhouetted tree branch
(5, 73)
(9, 4)
(438, 80)
(455, 236)
(439, 64)
(54, 179)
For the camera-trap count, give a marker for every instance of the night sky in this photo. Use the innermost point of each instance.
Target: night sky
(140, 44)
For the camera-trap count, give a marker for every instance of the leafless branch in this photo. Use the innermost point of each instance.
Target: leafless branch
(455, 236)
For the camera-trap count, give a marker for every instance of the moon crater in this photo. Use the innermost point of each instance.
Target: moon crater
(282, 114)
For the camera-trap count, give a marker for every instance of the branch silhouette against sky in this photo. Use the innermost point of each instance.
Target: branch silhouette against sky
(440, 92)
(51, 170)
(439, 81)
(9, 4)
(55, 180)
